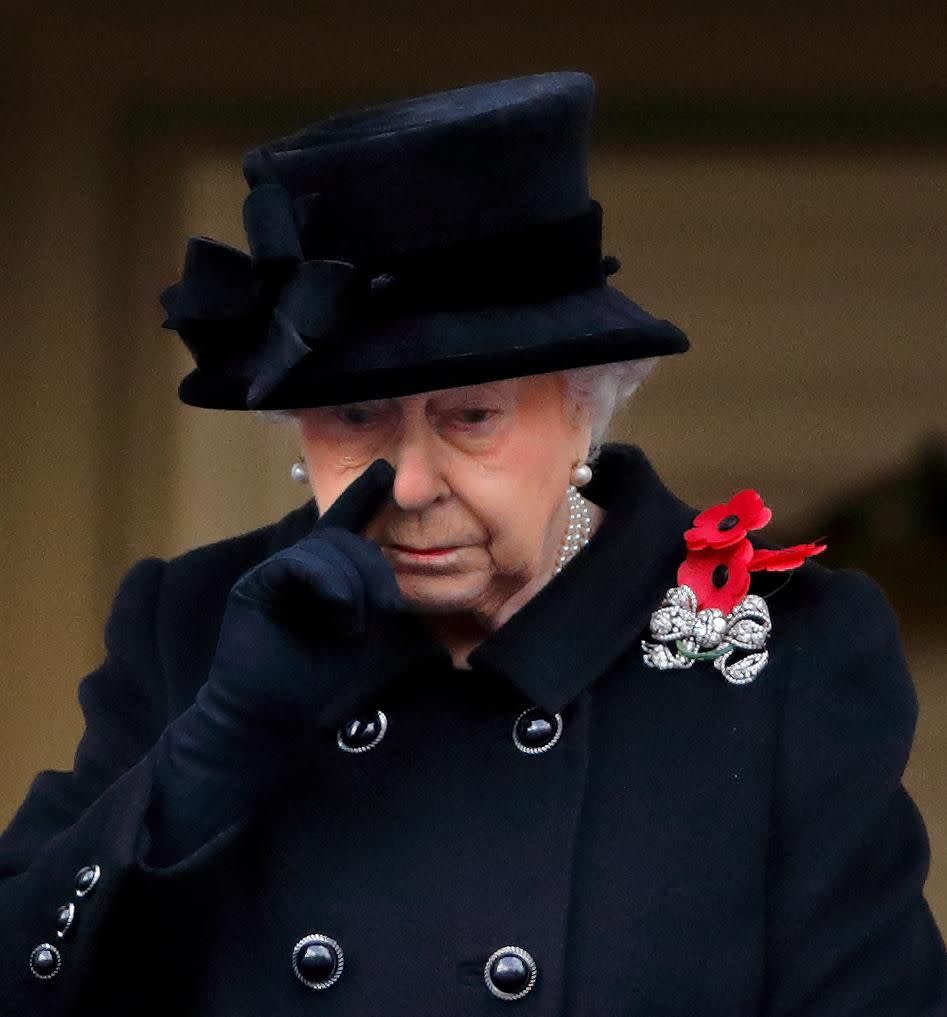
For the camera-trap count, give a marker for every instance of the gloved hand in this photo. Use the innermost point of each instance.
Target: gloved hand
(308, 637)
(311, 631)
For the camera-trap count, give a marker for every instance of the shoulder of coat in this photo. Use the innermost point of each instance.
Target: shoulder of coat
(221, 562)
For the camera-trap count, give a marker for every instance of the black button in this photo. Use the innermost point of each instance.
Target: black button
(362, 733)
(317, 961)
(45, 960)
(86, 878)
(535, 730)
(510, 972)
(65, 916)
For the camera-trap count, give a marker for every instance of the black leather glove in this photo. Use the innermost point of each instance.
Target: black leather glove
(308, 637)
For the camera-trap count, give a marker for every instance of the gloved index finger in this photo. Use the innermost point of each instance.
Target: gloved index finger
(358, 503)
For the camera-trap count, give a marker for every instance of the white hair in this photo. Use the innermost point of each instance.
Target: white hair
(601, 388)
(604, 389)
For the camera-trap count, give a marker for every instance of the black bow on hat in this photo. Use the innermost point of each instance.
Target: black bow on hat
(259, 315)
(439, 241)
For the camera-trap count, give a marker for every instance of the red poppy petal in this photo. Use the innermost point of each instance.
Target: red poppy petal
(708, 519)
(742, 555)
(783, 558)
(701, 539)
(697, 569)
(694, 573)
(748, 497)
(696, 537)
(739, 591)
(748, 505)
(749, 511)
(735, 555)
(727, 598)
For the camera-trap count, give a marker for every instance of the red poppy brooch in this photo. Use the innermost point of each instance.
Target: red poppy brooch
(710, 615)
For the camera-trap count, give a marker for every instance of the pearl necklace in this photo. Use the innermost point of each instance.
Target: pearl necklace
(579, 531)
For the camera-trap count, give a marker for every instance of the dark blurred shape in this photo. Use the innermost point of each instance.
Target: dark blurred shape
(895, 529)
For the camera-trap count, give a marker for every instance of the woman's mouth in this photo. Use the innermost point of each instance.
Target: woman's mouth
(421, 556)
(422, 551)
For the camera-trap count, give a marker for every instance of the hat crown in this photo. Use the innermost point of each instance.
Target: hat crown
(443, 240)
(450, 167)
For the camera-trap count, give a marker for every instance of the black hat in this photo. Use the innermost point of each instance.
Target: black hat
(415, 245)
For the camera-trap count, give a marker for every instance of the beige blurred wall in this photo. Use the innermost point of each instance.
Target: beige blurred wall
(809, 276)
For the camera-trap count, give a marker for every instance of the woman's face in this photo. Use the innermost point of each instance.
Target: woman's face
(479, 469)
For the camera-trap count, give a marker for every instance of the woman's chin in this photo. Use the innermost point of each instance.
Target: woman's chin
(440, 594)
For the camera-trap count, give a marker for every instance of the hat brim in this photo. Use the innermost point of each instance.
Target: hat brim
(436, 349)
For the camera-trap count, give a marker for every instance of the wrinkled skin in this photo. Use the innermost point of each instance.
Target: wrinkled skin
(483, 468)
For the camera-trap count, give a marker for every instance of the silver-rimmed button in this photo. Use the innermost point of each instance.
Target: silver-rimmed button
(362, 733)
(535, 730)
(86, 879)
(317, 961)
(510, 972)
(45, 960)
(65, 916)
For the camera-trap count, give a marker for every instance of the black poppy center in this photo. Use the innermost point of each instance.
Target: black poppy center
(720, 576)
(727, 523)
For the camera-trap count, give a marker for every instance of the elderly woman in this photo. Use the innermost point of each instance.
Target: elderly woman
(493, 719)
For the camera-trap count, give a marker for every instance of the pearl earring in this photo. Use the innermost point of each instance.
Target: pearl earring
(299, 471)
(581, 474)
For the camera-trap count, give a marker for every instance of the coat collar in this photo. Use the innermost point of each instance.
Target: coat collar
(599, 606)
(576, 626)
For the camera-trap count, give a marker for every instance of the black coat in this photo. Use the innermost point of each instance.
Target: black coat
(686, 847)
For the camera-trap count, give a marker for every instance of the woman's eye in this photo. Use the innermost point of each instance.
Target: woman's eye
(357, 417)
(474, 416)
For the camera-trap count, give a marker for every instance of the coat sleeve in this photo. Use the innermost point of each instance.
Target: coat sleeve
(92, 818)
(849, 931)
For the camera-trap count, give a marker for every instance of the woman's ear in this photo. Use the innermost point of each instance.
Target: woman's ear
(580, 419)
(577, 414)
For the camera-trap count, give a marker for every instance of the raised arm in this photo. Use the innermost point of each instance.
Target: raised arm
(153, 804)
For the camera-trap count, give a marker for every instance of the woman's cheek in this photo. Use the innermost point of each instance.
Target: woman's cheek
(485, 441)
(512, 532)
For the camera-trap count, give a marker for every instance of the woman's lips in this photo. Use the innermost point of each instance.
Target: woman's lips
(420, 557)
(422, 550)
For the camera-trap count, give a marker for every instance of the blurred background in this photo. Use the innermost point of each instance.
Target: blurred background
(774, 180)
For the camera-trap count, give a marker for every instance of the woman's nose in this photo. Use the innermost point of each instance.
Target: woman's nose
(419, 479)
